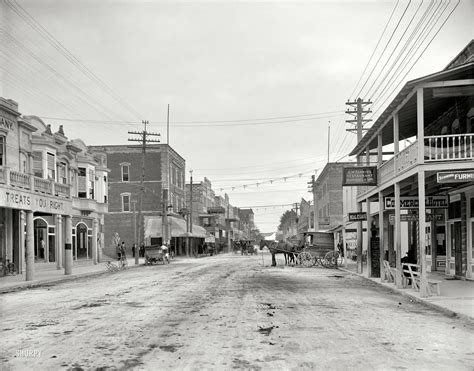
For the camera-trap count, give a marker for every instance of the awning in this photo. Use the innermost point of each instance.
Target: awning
(153, 226)
(199, 232)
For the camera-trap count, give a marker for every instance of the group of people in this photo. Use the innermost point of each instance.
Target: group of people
(121, 250)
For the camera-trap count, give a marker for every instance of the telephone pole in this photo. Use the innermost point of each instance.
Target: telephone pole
(314, 190)
(359, 121)
(144, 140)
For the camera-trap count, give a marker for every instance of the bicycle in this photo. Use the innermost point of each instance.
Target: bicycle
(8, 268)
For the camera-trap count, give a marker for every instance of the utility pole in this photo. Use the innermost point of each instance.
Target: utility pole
(314, 190)
(296, 218)
(190, 215)
(144, 140)
(134, 204)
(359, 121)
(329, 137)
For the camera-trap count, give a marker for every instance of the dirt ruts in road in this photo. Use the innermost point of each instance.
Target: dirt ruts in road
(227, 312)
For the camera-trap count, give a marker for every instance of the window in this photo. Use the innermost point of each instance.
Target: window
(51, 166)
(61, 168)
(82, 185)
(125, 172)
(38, 164)
(91, 184)
(2, 151)
(126, 202)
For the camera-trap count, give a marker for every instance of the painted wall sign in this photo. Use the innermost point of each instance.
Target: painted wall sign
(455, 176)
(414, 218)
(357, 217)
(431, 202)
(30, 201)
(360, 175)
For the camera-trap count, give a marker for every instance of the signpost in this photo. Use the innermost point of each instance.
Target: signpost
(359, 176)
(455, 176)
(357, 217)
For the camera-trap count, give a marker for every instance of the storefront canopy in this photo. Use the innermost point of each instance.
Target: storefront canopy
(154, 228)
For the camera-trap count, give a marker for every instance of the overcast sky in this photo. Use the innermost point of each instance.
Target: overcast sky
(251, 86)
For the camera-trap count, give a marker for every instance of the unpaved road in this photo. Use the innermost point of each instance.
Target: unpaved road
(226, 312)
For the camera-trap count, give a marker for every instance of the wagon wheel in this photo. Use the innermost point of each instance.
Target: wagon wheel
(331, 259)
(306, 259)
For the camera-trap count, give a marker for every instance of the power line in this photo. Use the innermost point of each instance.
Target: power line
(376, 46)
(43, 32)
(385, 48)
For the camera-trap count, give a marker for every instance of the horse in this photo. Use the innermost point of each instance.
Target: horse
(278, 247)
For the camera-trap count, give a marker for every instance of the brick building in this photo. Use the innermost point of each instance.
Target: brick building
(164, 170)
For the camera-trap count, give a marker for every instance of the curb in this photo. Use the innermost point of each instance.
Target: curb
(407, 294)
(24, 285)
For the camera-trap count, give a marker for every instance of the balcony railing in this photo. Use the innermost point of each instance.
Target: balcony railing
(407, 158)
(43, 185)
(21, 180)
(449, 147)
(386, 171)
(61, 189)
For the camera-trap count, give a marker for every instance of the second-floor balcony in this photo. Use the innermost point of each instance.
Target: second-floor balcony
(437, 149)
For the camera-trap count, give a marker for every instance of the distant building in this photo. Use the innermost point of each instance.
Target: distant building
(164, 169)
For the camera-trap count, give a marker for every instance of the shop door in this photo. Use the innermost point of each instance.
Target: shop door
(81, 241)
(456, 247)
(40, 241)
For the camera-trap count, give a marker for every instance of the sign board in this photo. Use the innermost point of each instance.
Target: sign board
(14, 199)
(431, 202)
(216, 210)
(359, 176)
(455, 176)
(414, 218)
(357, 217)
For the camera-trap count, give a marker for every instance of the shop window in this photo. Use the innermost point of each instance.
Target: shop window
(126, 202)
(125, 173)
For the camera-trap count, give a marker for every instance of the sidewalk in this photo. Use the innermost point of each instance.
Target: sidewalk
(44, 277)
(456, 299)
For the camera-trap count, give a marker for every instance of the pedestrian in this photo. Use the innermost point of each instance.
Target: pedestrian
(121, 254)
(118, 251)
(42, 249)
(142, 250)
(134, 247)
(164, 248)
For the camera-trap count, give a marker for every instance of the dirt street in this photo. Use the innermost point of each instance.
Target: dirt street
(226, 312)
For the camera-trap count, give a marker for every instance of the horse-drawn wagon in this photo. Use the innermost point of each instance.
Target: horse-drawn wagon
(319, 250)
(155, 254)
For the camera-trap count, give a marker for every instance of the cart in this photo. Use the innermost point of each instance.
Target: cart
(319, 251)
(155, 254)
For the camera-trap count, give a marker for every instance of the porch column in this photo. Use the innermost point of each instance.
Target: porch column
(424, 290)
(420, 123)
(95, 228)
(398, 237)
(22, 251)
(369, 239)
(68, 246)
(59, 241)
(30, 247)
(367, 156)
(379, 150)
(469, 241)
(359, 240)
(344, 243)
(396, 142)
(447, 236)
(381, 237)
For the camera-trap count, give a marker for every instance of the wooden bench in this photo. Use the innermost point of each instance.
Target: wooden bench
(389, 272)
(414, 271)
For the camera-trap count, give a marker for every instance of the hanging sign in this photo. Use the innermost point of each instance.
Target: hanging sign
(359, 176)
(455, 176)
(357, 217)
(431, 202)
(414, 218)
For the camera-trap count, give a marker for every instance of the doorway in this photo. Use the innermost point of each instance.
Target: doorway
(81, 242)
(456, 246)
(40, 240)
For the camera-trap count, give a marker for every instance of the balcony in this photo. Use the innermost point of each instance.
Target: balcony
(438, 148)
(26, 181)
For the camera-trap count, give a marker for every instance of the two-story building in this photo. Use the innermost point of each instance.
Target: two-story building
(44, 220)
(162, 196)
(428, 182)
